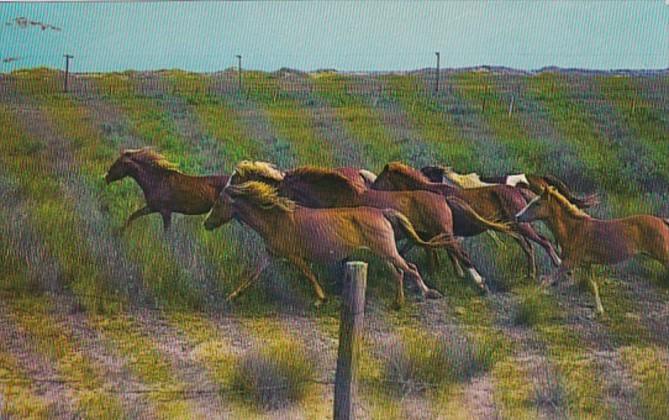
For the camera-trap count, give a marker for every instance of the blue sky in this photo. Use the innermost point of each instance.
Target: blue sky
(205, 36)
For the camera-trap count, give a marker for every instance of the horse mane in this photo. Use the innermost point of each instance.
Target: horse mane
(259, 169)
(571, 208)
(262, 195)
(408, 171)
(324, 177)
(147, 156)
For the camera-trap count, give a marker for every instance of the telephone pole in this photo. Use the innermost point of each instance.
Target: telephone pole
(436, 85)
(239, 71)
(67, 68)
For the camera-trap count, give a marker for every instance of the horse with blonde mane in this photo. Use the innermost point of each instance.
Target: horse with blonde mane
(496, 202)
(325, 188)
(586, 240)
(529, 185)
(328, 236)
(166, 189)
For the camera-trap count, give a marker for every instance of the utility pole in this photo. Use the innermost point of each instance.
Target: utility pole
(436, 85)
(239, 71)
(67, 68)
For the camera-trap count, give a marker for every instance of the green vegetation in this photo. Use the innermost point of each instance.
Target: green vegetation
(58, 216)
(274, 375)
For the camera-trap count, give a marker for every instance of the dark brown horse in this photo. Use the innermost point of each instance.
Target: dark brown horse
(496, 202)
(325, 188)
(328, 236)
(165, 188)
(586, 240)
(534, 183)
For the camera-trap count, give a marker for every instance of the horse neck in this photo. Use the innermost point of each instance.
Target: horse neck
(147, 178)
(269, 223)
(563, 224)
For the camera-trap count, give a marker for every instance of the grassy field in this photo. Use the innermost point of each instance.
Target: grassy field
(96, 322)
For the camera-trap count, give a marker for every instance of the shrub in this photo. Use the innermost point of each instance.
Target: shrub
(273, 376)
(421, 363)
(533, 309)
(550, 394)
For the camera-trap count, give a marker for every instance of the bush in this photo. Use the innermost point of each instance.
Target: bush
(533, 309)
(422, 363)
(550, 394)
(273, 376)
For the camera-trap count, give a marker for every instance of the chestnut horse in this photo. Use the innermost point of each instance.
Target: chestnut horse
(166, 189)
(533, 183)
(325, 188)
(496, 202)
(328, 236)
(586, 240)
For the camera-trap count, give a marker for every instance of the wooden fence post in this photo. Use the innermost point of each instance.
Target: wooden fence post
(350, 335)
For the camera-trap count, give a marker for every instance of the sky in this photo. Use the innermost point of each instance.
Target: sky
(347, 36)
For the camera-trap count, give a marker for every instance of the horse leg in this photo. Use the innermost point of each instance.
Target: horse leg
(457, 251)
(530, 233)
(399, 279)
(526, 246)
(167, 219)
(595, 291)
(146, 210)
(425, 290)
(456, 264)
(550, 279)
(245, 284)
(304, 268)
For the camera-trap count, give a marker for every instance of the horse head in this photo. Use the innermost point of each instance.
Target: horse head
(398, 176)
(221, 212)
(121, 167)
(538, 208)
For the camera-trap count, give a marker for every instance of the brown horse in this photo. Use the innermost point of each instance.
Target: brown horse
(166, 189)
(586, 240)
(534, 183)
(496, 202)
(328, 236)
(325, 188)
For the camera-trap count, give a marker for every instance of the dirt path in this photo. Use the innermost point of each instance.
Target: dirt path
(46, 381)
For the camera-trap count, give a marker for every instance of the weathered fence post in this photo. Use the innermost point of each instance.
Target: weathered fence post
(511, 106)
(350, 335)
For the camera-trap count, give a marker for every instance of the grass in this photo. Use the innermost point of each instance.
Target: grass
(19, 399)
(273, 376)
(289, 120)
(534, 308)
(361, 121)
(421, 362)
(56, 342)
(67, 220)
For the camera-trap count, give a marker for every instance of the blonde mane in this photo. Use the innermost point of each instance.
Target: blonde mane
(470, 180)
(261, 195)
(147, 156)
(247, 168)
(566, 204)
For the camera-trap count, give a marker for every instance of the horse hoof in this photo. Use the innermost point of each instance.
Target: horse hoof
(433, 294)
(484, 289)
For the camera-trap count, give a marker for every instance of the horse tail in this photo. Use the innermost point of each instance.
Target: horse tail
(580, 202)
(504, 227)
(368, 176)
(401, 223)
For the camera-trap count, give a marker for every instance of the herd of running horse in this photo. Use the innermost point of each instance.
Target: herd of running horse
(321, 215)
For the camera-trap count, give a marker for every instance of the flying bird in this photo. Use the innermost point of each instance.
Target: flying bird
(23, 22)
(10, 59)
